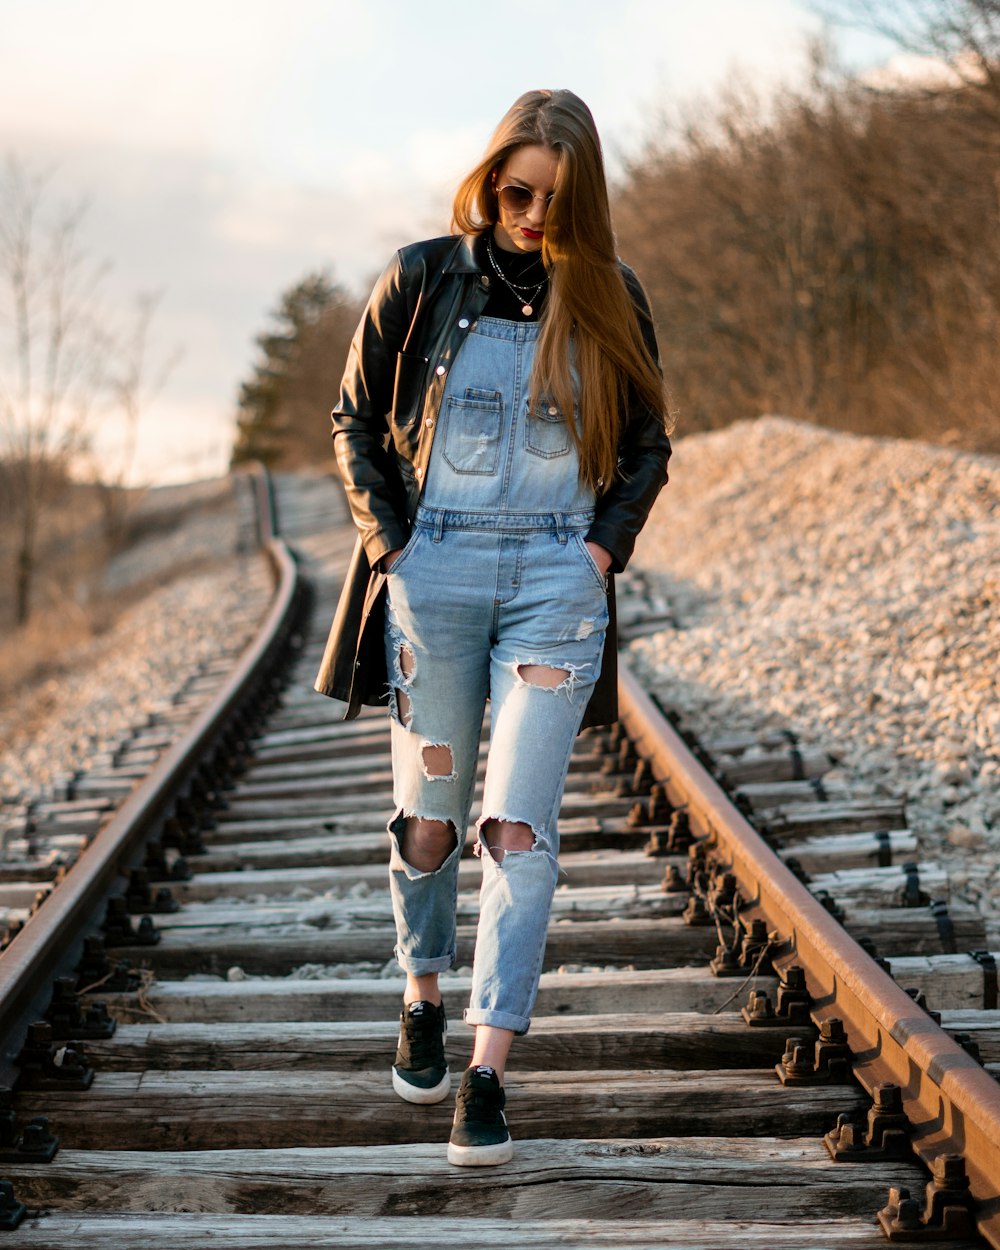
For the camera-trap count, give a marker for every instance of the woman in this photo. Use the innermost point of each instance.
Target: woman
(501, 437)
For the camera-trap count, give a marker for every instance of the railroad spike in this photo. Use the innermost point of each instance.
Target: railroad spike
(697, 914)
(642, 778)
(40, 897)
(969, 1044)
(795, 1063)
(830, 904)
(34, 1143)
(185, 836)
(753, 947)
(38, 1143)
(673, 882)
(920, 998)
(44, 1065)
(96, 971)
(656, 810)
(628, 756)
(724, 891)
(180, 870)
(156, 860)
(830, 1063)
(792, 1005)
(867, 944)
(697, 876)
(885, 1138)
(759, 1010)
(69, 1019)
(681, 837)
(12, 1212)
(726, 962)
(657, 844)
(947, 1209)
(118, 929)
(794, 866)
(140, 897)
(659, 806)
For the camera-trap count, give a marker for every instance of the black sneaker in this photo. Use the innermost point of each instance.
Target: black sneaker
(479, 1135)
(420, 1073)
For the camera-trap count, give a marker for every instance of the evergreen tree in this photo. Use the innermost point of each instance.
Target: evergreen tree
(283, 417)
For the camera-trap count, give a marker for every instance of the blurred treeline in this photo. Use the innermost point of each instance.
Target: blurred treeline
(831, 256)
(831, 253)
(283, 418)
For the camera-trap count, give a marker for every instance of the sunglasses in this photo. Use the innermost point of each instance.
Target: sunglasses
(519, 199)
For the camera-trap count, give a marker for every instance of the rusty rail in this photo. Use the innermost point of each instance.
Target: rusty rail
(52, 939)
(951, 1101)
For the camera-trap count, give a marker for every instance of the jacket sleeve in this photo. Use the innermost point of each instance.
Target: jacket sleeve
(642, 458)
(361, 417)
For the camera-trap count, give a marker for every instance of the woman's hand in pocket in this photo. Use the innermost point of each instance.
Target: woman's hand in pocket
(390, 558)
(601, 557)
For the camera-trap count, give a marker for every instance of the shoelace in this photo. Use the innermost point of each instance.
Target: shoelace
(424, 1040)
(481, 1105)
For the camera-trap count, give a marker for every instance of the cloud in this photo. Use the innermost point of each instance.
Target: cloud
(230, 147)
(907, 70)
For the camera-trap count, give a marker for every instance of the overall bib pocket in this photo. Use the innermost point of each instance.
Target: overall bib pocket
(472, 431)
(546, 432)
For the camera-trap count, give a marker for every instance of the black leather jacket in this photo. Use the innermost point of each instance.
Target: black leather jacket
(416, 321)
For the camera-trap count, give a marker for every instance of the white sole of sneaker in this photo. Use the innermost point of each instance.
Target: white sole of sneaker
(481, 1156)
(413, 1093)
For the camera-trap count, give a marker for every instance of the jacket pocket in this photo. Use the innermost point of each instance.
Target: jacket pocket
(408, 388)
(546, 431)
(472, 431)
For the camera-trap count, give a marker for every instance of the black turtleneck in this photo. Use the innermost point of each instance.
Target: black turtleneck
(524, 269)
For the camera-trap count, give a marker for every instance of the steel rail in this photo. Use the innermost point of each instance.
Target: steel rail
(951, 1101)
(52, 939)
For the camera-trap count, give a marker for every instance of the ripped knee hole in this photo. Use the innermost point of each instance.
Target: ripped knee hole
(501, 836)
(542, 675)
(425, 843)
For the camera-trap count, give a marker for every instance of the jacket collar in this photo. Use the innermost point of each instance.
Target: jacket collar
(463, 258)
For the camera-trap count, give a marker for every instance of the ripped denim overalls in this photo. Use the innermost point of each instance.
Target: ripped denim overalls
(495, 578)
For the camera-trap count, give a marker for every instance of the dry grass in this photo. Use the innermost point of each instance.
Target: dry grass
(832, 255)
(82, 589)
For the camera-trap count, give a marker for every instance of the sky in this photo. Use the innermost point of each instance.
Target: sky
(226, 149)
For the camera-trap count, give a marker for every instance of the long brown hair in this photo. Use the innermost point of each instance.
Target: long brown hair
(587, 293)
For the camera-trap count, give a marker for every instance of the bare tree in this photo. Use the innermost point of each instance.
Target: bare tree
(52, 356)
(832, 254)
(131, 390)
(964, 34)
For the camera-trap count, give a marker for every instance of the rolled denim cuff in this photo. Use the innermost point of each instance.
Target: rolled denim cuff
(423, 967)
(497, 1019)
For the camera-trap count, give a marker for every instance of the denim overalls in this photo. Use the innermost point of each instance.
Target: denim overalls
(495, 576)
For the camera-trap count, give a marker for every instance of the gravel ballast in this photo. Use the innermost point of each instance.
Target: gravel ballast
(113, 683)
(845, 588)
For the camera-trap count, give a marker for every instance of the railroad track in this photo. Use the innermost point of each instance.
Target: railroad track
(233, 1090)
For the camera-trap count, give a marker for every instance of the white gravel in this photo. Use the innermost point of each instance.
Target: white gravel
(113, 683)
(845, 588)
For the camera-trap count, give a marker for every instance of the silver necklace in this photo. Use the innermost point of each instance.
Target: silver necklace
(519, 292)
